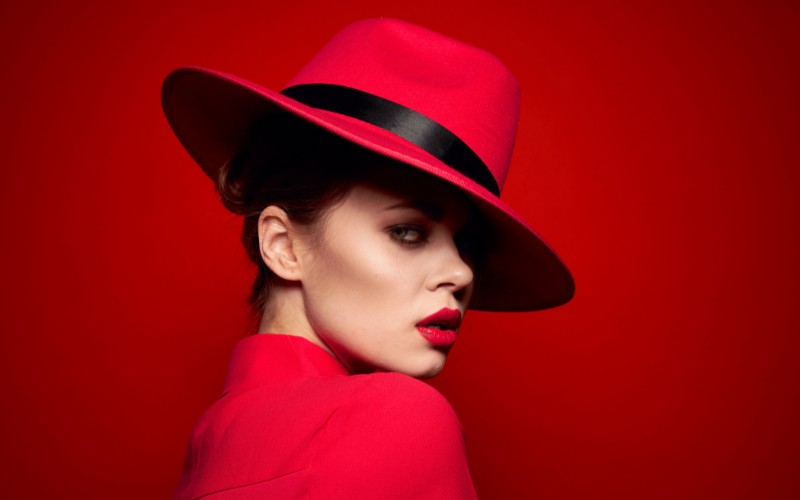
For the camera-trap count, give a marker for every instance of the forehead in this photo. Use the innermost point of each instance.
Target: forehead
(401, 187)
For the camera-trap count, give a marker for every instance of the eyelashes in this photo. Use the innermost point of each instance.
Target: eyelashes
(469, 243)
(408, 234)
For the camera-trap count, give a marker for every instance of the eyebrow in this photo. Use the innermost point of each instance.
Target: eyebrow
(431, 210)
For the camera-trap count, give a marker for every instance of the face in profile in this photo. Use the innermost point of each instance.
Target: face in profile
(387, 278)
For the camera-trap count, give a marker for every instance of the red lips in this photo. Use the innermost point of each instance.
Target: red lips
(440, 328)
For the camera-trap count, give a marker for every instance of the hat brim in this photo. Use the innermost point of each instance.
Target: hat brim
(212, 114)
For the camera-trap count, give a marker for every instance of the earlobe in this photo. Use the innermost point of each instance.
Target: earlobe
(277, 245)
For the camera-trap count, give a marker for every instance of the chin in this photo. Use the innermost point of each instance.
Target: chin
(427, 368)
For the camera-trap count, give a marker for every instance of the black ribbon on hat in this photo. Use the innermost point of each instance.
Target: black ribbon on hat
(399, 120)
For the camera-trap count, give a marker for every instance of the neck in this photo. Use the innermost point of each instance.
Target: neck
(285, 313)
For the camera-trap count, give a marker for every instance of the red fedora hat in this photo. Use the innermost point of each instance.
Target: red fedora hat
(410, 94)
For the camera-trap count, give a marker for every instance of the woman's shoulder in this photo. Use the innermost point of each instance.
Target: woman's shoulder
(397, 437)
(389, 398)
(398, 393)
(370, 430)
(395, 414)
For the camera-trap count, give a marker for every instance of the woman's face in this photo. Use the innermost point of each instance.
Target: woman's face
(387, 278)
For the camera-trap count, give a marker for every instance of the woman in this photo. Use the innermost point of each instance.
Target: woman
(369, 189)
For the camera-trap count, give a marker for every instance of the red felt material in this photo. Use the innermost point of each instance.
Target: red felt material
(657, 151)
(464, 88)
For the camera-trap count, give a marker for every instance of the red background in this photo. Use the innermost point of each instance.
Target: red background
(657, 152)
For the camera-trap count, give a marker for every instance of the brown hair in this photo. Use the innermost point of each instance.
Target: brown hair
(295, 166)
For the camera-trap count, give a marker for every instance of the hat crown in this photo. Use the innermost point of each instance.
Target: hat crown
(463, 88)
(409, 95)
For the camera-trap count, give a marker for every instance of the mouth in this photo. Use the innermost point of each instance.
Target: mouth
(444, 319)
(441, 327)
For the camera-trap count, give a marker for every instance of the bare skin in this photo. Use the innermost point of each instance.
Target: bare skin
(387, 256)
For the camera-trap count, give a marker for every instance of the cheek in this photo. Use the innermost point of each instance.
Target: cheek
(356, 278)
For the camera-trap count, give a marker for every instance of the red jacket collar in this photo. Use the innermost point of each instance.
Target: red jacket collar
(271, 358)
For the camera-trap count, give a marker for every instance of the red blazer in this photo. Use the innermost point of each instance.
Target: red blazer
(293, 423)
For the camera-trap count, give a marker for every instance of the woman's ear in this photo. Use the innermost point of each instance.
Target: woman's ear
(277, 242)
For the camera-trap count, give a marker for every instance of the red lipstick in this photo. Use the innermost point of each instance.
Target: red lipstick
(441, 327)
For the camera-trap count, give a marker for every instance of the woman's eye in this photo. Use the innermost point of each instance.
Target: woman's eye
(408, 234)
(470, 243)
(466, 245)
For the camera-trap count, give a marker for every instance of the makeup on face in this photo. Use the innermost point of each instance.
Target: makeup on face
(386, 284)
(441, 327)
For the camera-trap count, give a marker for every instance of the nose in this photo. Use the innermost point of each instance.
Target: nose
(451, 272)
